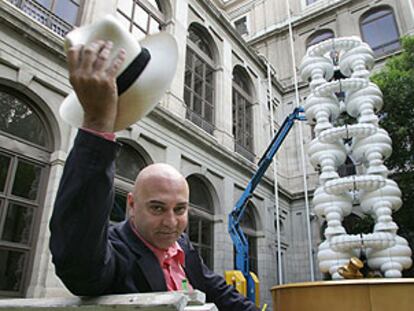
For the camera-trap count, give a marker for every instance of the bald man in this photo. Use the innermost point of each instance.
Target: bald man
(149, 251)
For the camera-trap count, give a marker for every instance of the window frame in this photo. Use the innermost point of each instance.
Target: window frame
(202, 214)
(317, 34)
(246, 137)
(380, 50)
(194, 53)
(153, 13)
(20, 150)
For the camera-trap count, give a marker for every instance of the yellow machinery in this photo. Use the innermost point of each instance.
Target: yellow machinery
(236, 278)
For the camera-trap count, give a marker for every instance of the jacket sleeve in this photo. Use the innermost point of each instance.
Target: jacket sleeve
(224, 296)
(79, 243)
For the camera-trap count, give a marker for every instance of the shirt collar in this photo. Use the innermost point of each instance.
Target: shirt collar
(174, 252)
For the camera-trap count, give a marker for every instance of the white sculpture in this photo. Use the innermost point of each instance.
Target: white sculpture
(370, 192)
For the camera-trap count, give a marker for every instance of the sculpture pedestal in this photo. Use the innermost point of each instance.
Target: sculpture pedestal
(345, 295)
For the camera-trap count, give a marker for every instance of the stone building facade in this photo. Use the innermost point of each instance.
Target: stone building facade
(213, 124)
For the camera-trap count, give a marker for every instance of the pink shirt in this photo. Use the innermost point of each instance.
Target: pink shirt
(172, 261)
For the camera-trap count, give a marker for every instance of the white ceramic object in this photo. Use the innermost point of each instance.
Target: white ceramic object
(317, 69)
(391, 261)
(357, 62)
(333, 208)
(364, 103)
(374, 149)
(347, 131)
(319, 110)
(369, 192)
(327, 161)
(354, 182)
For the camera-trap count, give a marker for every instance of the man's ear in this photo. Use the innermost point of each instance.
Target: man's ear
(130, 204)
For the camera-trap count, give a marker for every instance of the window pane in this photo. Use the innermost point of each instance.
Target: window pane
(208, 113)
(141, 17)
(193, 229)
(199, 194)
(209, 74)
(118, 212)
(187, 97)
(379, 30)
(45, 3)
(129, 162)
(154, 26)
(18, 119)
(319, 37)
(241, 25)
(4, 169)
(11, 269)
(26, 180)
(67, 10)
(199, 66)
(125, 6)
(200, 41)
(206, 232)
(209, 95)
(197, 105)
(17, 227)
(138, 33)
(188, 75)
(198, 86)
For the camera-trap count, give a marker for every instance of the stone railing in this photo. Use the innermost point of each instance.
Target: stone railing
(161, 301)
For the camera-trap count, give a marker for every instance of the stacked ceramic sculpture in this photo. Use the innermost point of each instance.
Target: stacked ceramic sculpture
(369, 192)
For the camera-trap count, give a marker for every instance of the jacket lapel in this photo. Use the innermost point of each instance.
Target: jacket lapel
(146, 259)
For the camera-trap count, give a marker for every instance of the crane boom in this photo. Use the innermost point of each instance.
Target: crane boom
(239, 239)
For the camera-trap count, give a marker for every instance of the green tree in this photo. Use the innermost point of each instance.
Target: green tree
(396, 80)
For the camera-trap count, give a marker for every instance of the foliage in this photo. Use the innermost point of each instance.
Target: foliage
(396, 80)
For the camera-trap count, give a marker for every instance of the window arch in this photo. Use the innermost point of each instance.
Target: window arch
(142, 17)
(243, 113)
(199, 90)
(23, 173)
(201, 216)
(319, 36)
(379, 29)
(129, 162)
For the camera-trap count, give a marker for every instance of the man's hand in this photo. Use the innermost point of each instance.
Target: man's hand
(93, 78)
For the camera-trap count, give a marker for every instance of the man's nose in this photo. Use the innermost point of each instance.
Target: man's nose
(170, 219)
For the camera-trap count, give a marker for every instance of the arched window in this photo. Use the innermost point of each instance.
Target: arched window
(200, 225)
(142, 17)
(199, 79)
(24, 154)
(319, 36)
(379, 29)
(242, 113)
(248, 224)
(58, 15)
(128, 164)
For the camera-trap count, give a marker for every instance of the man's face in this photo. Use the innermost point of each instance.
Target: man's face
(159, 208)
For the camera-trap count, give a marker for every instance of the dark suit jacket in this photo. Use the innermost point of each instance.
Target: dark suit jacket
(94, 258)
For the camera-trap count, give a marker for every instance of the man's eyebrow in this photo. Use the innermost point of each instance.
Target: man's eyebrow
(156, 202)
(183, 203)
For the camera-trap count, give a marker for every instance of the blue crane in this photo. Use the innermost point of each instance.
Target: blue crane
(239, 239)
